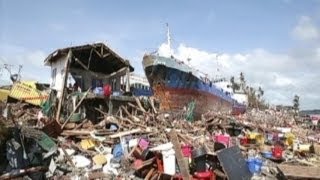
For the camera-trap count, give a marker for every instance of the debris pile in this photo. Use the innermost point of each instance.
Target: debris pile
(139, 142)
(96, 129)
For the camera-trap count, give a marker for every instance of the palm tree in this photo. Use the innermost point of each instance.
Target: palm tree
(259, 102)
(235, 86)
(296, 105)
(242, 81)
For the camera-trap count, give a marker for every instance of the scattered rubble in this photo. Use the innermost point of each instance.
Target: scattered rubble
(86, 132)
(140, 142)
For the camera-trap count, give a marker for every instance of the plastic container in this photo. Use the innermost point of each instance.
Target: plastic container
(254, 165)
(199, 159)
(169, 162)
(186, 150)
(257, 165)
(267, 154)
(259, 139)
(252, 135)
(289, 139)
(223, 139)
(143, 144)
(277, 152)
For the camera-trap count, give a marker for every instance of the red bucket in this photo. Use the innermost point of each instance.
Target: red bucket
(277, 152)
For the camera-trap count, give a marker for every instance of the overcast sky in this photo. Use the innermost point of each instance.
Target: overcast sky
(276, 43)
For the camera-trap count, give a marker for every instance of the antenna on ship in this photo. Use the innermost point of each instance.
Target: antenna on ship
(169, 39)
(168, 36)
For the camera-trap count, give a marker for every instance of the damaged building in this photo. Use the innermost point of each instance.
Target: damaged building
(93, 71)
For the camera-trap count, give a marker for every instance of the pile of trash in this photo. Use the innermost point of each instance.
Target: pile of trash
(139, 142)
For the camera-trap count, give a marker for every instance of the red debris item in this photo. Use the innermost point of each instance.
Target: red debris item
(244, 141)
(137, 163)
(107, 90)
(186, 150)
(208, 175)
(224, 139)
(277, 152)
(159, 163)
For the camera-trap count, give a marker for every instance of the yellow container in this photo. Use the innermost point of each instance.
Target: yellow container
(27, 91)
(259, 139)
(252, 135)
(289, 139)
(87, 144)
(4, 94)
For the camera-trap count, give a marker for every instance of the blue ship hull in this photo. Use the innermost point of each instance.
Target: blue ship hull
(176, 84)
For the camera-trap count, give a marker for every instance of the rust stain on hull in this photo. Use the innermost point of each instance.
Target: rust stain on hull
(176, 99)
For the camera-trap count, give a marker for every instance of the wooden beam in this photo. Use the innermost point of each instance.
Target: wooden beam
(140, 105)
(98, 53)
(21, 172)
(74, 110)
(106, 55)
(183, 166)
(84, 66)
(90, 57)
(100, 75)
(117, 72)
(125, 133)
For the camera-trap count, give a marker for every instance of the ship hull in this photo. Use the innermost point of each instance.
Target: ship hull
(179, 98)
(176, 87)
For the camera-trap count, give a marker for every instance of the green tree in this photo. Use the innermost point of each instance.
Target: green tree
(242, 81)
(296, 104)
(234, 86)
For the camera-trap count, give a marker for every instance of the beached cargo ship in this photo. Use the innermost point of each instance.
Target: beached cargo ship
(176, 84)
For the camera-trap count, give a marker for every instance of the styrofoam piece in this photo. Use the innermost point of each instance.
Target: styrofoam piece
(169, 162)
(162, 147)
(80, 161)
(133, 142)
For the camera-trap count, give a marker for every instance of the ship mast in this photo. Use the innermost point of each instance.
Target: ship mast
(168, 38)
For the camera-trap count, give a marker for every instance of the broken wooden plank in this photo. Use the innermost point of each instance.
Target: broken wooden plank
(99, 175)
(151, 99)
(75, 109)
(300, 172)
(125, 133)
(183, 166)
(84, 66)
(21, 172)
(140, 105)
(76, 132)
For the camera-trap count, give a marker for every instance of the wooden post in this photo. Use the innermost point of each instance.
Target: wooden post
(183, 166)
(128, 79)
(75, 109)
(65, 78)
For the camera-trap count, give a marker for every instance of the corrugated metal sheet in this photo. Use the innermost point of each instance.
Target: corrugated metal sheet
(27, 92)
(4, 94)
